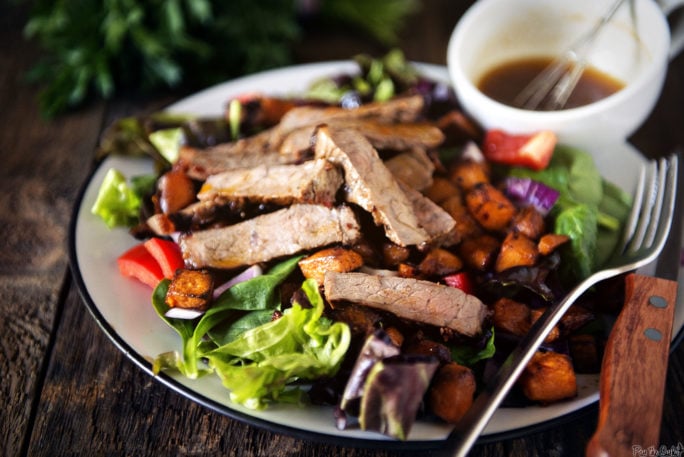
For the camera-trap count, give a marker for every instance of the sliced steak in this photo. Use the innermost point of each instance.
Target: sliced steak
(314, 181)
(370, 184)
(249, 152)
(400, 136)
(414, 168)
(408, 298)
(399, 109)
(383, 136)
(284, 232)
(193, 216)
(438, 224)
(265, 147)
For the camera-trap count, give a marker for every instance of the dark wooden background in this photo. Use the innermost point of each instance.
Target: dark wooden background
(64, 387)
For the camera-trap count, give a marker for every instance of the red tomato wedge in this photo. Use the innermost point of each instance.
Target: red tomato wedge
(167, 254)
(532, 151)
(138, 263)
(460, 280)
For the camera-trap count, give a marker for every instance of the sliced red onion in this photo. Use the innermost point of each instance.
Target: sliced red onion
(183, 313)
(249, 273)
(530, 192)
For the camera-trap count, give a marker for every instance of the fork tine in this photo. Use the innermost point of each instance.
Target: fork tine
(657, 207)
(644, 216)
(670, 188)
(637, 201)
(658, 203)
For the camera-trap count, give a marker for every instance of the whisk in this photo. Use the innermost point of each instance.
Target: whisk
(551, 89)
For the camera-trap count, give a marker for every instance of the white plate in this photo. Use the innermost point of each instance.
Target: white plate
(122, 306)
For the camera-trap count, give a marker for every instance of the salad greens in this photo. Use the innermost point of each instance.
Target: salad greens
(258, 358)
(469, 355)
(118, 202)
(590, 210)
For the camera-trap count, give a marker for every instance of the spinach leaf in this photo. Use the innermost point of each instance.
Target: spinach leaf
(590, 210)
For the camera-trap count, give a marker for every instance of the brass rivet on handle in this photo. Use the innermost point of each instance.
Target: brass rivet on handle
(653, 334)
(657, 301)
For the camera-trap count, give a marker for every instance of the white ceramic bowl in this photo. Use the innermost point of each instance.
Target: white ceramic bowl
(495, 31)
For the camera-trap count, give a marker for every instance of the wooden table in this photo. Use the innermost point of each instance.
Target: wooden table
(65, 389)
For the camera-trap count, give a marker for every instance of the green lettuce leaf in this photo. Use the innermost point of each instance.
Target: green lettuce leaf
(257, 358)
(256, 295)
(117, 203)
(258, 366)
(168, 142)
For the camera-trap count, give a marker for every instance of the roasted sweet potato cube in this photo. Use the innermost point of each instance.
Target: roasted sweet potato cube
(451, 392)
(516, 251)
(458, 128)
(440, 262)
(479, 252)
(575, 318)
(466, 226)
(264, 110)
(511, 316)
(516, 318)
(406, 270)
(548, 377)
(468, 173)
(362, 320)
(395, 336)
(441, 189)
(490, 207)
(535, 314)
(393, 254)
(190, 289)
(529, 222)
(549, 242)
(422, 346)
(585, 353)
(337, 259)
(367, 251)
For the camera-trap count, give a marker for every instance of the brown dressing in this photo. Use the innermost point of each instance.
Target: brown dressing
(504, 82)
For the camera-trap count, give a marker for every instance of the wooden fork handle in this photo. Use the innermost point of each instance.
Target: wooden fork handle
(634, 369)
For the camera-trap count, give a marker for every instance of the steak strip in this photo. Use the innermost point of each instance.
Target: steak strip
(383, 136)
(314, 181)
(409, 298)
(370, 184)
(399, 109)
(412, 167)
(284, 232)
(245, 153)
(264, 147)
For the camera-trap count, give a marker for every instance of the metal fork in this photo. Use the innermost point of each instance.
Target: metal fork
(551, 89)
(645, 234)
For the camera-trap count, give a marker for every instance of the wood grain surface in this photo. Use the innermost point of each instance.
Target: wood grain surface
(65, 389)
(634, 369)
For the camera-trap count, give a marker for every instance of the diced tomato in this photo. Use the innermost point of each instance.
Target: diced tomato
(138, 263)
(167, 254)
(532, 151)
(460, 280)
